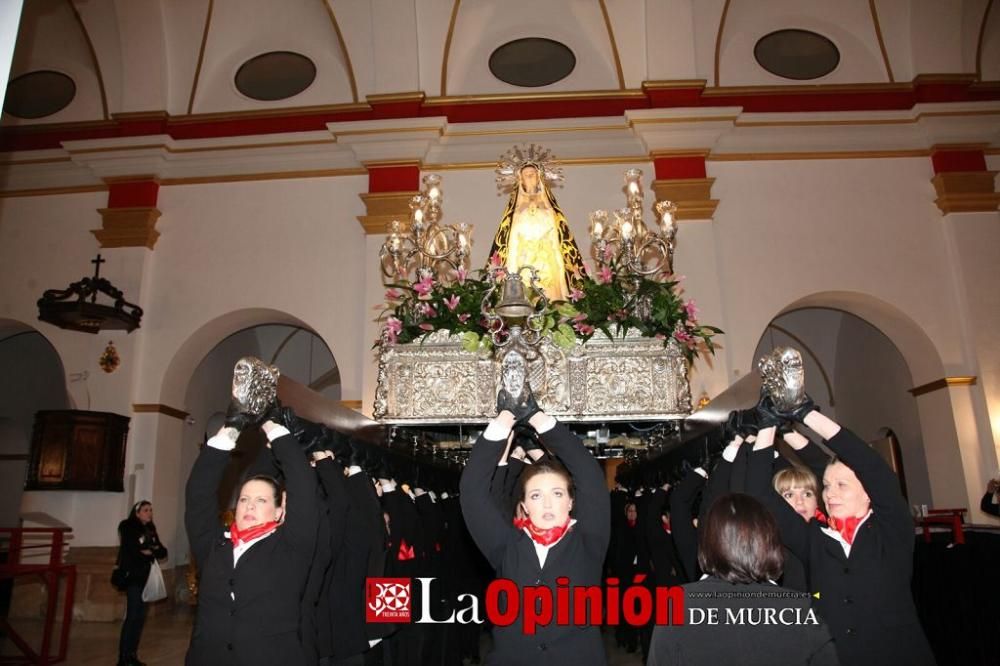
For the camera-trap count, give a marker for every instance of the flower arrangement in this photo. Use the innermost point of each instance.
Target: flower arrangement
(612, 302)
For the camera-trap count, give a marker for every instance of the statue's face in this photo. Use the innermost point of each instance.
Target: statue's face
(783, 377)
(791, 368)
(255, 385)
(513, 373)
(529, 179)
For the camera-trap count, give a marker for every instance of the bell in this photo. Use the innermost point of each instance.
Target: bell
(513, 303)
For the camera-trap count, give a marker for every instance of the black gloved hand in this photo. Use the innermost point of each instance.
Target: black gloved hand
(315, 437)
(748, 423)
(505, 401)
(767, 415)
(358, 454)
(799, 413)
(237, 419)
(526, 407)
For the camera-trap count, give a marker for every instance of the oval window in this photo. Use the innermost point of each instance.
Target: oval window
(796, 54)
(532, 62)
(275, 75)
(39, 94)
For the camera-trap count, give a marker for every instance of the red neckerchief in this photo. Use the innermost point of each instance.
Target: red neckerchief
(545, 537)
(847, 527)
(821, 517)
(251, 533)
(405, 552)
(630, 521)
(666, 525)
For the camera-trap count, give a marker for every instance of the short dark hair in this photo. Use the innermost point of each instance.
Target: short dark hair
(546, 467)
(271, 481)
(739, 541)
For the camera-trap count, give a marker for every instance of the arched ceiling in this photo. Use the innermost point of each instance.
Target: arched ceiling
(179, 57)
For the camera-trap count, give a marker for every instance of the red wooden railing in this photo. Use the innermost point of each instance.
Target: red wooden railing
(949, 517)
(53, 573)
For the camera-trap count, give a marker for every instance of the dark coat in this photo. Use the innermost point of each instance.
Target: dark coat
(134, 537)
(361, 554)
(662, 553)
(735, 639)
(865, 598)
(248, 614)
(986, 505)
(682, 504)
(579, 555)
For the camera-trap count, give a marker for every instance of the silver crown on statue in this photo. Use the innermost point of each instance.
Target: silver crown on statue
(783, 377)
(255, 385)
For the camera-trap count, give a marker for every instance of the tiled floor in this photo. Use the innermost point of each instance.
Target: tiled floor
(165, 639)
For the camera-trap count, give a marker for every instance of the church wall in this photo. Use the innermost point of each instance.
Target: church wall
(783, 230)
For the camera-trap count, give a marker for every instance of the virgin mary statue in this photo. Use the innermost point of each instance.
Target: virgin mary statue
(533, 230)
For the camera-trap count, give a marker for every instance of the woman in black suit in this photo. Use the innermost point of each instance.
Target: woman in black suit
(549, 543)
(860, 561)
(252, 578)
(737, 614)
(139, 547)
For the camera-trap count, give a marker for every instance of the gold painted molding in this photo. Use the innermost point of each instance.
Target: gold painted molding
(534, 97)
(447, 47)
(46, 191)
(144, 408)
(979, 42)
(942, 383)
(351, 404)
(383, 98)
(718, 40)
(93, 57)
(384, 207)
(128, 227)
(881, 42)
(674, 83)
(692, 196)
(966, 192)
(201, 55)
(818, 155)
(270, 175)
(614, 44)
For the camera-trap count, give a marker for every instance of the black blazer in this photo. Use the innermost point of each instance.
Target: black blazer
(248, 614)
(134, 537)
(682, 501)
(733, 639)
(865, 598)
(662, 554)
(986, 505)
(578, 556)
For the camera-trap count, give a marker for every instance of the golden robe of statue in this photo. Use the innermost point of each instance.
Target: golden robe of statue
(533, 232)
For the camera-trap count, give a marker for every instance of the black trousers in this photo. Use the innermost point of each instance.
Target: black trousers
(135, 617)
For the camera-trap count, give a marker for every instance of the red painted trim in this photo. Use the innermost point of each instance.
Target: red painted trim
(35, 137)
(687, 166)
(134, 194)
(946, 161)
(393, 178)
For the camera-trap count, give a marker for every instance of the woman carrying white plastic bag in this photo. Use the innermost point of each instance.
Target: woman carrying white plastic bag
(140, 548)
(155, 589)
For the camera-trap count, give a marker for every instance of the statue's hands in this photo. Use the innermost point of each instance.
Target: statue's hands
(799, 412)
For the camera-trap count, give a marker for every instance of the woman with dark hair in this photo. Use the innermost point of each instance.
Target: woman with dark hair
(252, 577)
(139, 546)
(736, 613)
(564, 532)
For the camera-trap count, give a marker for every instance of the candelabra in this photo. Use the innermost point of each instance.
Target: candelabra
(627, 242)
(427, 248)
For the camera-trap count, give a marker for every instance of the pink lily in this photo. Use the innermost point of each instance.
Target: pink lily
(583, 329)
(691, 310)
(463, 317)
(460, 275)
(575, 295)
(452, 302)
(604, 275)
(393, 327)
(393, 294)
(424, 286)
(425, 327)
